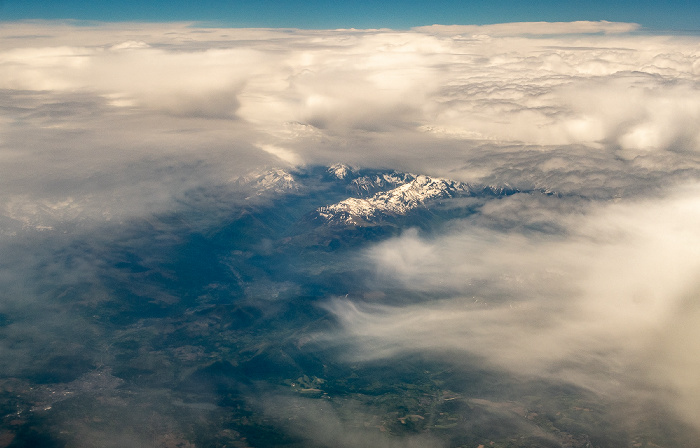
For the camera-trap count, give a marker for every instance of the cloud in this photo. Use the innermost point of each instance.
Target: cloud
(282, 153)
(533, 28)
(486, 86)
(608, 305)
(364, 95)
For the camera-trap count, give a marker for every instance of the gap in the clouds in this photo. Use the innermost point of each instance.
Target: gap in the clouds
(160, 301)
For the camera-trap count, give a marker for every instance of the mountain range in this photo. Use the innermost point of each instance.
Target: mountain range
(357, 197)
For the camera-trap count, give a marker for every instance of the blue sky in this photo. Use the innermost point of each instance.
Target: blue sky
(676, 15)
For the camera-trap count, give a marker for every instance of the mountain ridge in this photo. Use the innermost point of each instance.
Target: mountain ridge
(372, 197)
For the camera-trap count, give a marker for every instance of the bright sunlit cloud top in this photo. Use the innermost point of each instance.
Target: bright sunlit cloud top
(472, 95)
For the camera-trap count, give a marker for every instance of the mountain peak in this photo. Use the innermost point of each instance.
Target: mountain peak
(414, 193)
(341, 170)
(275, 180)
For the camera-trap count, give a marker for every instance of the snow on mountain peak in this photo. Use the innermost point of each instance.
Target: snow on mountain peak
(275, 180)
(341, 171)
(398, 201)
(374, 195)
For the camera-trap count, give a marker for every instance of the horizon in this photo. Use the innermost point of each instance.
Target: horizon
(677, 16)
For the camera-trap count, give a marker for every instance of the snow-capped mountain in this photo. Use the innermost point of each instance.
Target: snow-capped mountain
(363, 183)
(371, 184)
(274, 180)
(341, 171)
(417, 191)
(365, 197)
(34, 214)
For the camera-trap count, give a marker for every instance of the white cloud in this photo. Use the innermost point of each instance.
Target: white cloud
(93, 113)
(282, 153)
(609, 305)
(535, 28)
(496, 84)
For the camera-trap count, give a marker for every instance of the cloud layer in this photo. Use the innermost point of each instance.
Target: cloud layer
(610, 305)
(96, 101)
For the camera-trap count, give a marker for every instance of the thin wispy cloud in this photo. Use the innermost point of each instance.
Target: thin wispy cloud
(607, 305)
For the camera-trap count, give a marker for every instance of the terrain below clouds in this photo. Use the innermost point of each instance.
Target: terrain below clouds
(449, 315)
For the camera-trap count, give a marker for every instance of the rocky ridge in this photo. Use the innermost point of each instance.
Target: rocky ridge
(412, 192)
(373, 196)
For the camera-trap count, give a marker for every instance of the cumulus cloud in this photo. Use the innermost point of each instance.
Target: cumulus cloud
(609, 304)
(471, 82)
(346, 93)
